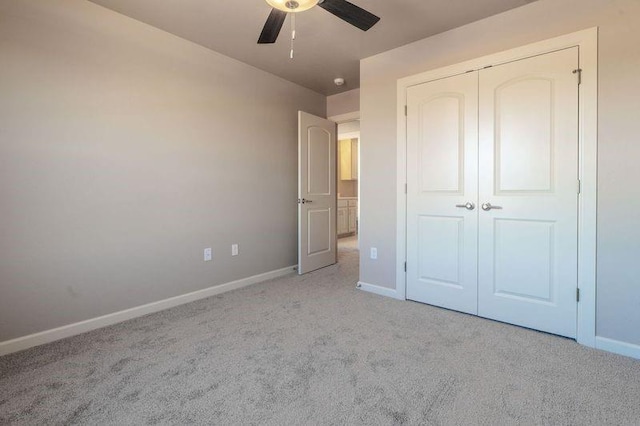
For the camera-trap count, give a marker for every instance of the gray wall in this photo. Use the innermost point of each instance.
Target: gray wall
(124, 152)
(343, 103)
(618, 282)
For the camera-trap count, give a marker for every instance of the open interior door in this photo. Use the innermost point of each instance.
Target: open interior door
(317, 245)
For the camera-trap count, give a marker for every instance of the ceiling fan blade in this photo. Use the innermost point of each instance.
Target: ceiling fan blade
(351, 13)
(272, 27)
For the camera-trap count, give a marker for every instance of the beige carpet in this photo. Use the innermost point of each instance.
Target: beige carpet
(314, 350)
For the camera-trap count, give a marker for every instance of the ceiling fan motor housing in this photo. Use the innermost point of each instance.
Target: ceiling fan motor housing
(292, 5)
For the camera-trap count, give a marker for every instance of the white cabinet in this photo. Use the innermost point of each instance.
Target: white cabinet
(353, 216)
(347, 216)
(349, 159)
(343, 217)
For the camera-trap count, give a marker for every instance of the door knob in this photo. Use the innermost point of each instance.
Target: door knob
(468, 205)
(305, 201)
(487, 206)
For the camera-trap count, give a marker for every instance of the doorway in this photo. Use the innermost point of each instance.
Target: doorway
(348, 184)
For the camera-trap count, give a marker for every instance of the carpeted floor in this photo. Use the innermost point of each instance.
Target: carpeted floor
(314, 350)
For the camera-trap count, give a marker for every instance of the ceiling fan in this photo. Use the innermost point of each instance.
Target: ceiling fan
(344, 10)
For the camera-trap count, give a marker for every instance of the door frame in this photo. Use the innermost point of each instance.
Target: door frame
(587, 41)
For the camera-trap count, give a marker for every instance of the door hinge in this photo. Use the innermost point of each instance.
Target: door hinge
(405, 188)
(577, 294)
(405, 110)
(579, 186)
(579, 72)
(405, 266)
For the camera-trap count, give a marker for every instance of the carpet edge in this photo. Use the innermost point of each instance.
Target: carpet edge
(51, 335)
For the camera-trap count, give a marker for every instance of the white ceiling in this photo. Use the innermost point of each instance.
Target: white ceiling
(326, 47)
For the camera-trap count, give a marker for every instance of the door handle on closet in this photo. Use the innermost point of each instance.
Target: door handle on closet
(487, 206)
(468, 205)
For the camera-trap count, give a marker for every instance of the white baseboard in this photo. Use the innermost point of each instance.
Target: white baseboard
(376, 289)
(47, 336)
(618, 347)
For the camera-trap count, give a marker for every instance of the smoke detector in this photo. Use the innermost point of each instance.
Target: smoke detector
(339, 81)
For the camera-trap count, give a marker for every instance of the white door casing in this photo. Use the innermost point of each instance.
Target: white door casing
(442, 178)
(529, 168)
(317, 244)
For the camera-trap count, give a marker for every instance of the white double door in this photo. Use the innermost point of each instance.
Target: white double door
(492, 200)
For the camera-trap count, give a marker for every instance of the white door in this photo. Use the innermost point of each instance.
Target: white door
(529, 169)
(317, 245)
(492, 197)
(442, 185)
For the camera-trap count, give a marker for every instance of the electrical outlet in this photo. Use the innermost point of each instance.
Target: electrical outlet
(208, 255)
(234, 249)
(374, 253)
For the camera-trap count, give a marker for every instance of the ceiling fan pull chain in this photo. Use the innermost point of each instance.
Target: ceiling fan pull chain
(293, 33)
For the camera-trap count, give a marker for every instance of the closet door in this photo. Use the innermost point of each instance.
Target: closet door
(528, 192)
(442, 186)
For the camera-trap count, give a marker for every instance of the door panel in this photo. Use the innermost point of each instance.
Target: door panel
(316, 192)
(524, 139)
(319, 144)
(319, 241)
(441, 143)
(441, 174)
(528, 156)
(524, 270)
(440, 263)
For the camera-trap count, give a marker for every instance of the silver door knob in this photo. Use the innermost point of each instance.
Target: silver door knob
(304, 201)
(468, 205)
(487, 206)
